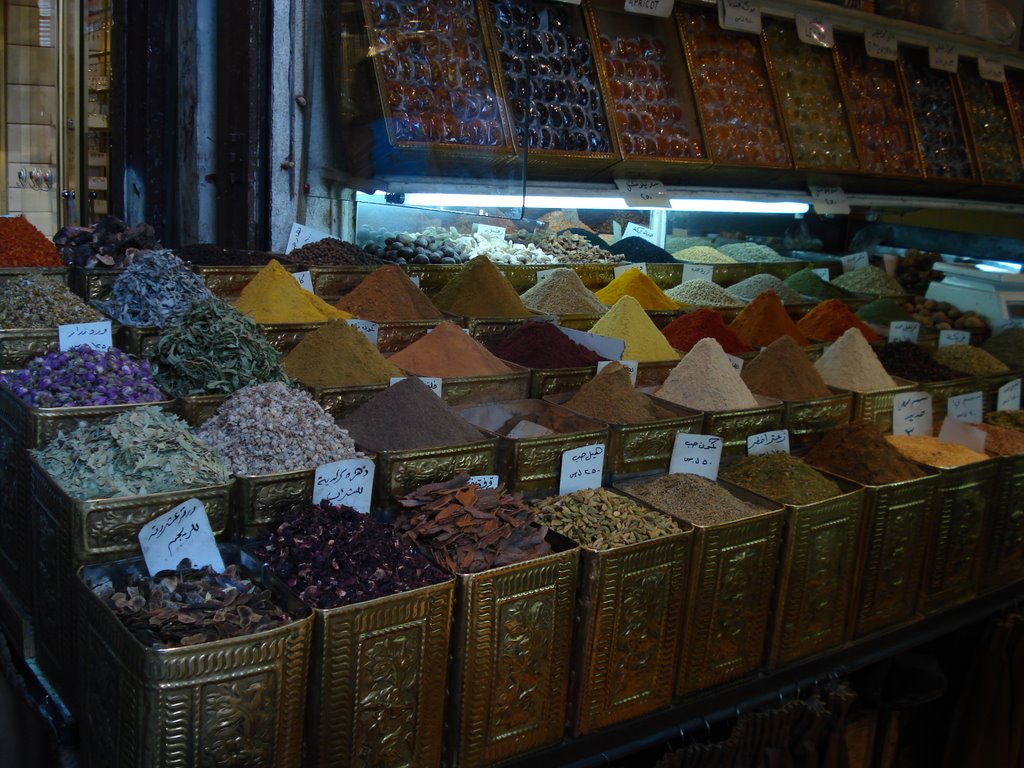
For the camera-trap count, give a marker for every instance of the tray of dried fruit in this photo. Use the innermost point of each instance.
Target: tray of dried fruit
(991, 127)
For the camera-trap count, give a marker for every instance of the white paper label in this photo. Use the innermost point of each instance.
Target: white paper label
(823, 273)
(415, 280)
(95, 335)
(621, 270)
(943, 57)
(776, 441)
(432, 383)
(829, 199)
(698, 272)
(815, 29)
(182, 532)
(645, 233)
(966, 408)
(582, 468)
(991, 69)
(644, 193)
(949, 338)
(305, 279)
(912, 414)
(484, 481)
(630, 365)
(735, 362)
(661, 8)
(302, 235)
(855, 261)
(490, 231)
(368, 328)
(544, 274)
(890, 261)
(347, 483)
(696, 455)
(961, 433)
(604, 346)
(739, 16)
(881, 44)
(1008, 396)
(904, 330)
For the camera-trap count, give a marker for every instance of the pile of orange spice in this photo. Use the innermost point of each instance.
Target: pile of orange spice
(22, 245)
(764, 320)
(830, 320)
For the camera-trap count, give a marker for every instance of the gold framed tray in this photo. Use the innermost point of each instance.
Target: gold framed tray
(468, 390)
(991, 126)
(432, 277)
(553, 381)
(284, 337)
(261, 502)
(138, 340)
(20, 345)
(63, 274)
(391, 337)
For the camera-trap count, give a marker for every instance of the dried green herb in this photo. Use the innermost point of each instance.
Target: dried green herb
(155, 288)
(41, 302)
(213, 348)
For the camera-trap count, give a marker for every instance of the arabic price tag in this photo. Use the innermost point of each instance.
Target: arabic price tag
(912, 414)
(182, 532)
(966, 408)
(95, 335)
(630, 365)
(433, 383)
(855, 261)
(698, 272)
(490, 230)
(776, 441)
(415, 280)
(305, 279)
(603, 346)
(735, 362)
(815, 29)
(943, 57)
(302, 235)
(823, 273)
(904, 330)
(643, 193)
(696, 455)
(582, 468)
(484, 481)
(1008, 396)
(644, 233)
(991, 69)
(949, 338)
(739, 16)
(881, 44)
(961, 433)
(345, 483)
(368, 328)
(829, 200)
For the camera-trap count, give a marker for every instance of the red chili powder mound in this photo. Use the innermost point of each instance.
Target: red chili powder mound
(830, 320)
(686, 330)
(22, 245)
(387, 295)
(763, 320)
(542, 345)
(448, 351)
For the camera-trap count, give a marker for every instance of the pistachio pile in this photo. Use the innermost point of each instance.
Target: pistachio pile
(602, 519)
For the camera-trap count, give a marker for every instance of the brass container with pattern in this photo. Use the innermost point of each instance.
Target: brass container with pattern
(780, 269)
(341, 401)
(628, 629)
(510, 658)
(261, 502)
(238, 701)
(807, 420)
(955, 543)
(595, 276)
(523, 276)
(735, 426)
(640, 449)
(654, 373)
(896, 522)
(331, 283)
(69, 533)
(196, 409)
(554, 381)
(665, 275)
(662, 317)
(377, 680)
(137, 340)
(391, 337)
(227, 282)
(433, 277)
(400, 472)
(468, 390)
(284, 337)
(820, 553)
(94, 282)
(61, 274)
(941, 391)
(19, 345)
(1003, 551)
(875, 408)
(490, 330)
(532, 465)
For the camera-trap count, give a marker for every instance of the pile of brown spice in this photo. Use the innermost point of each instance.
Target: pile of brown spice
(764, 320)
(480, 290)
(448, 351)
(610, 396)
(931, 451)
(861, 453)
(784, 372)
(337, 355)
(468, 529)
(1008, 419)
(1001, 441)
(387, 295)
(692, 498)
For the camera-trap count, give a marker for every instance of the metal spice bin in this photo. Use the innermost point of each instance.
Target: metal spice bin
(637, 449)
(595, 276)
(433, 277)
(729, 600)
(377, 680)
(70, 533)
(61, 274)
(553, 381)
(960, 516)
(510, 658)
(227, 282)
(628, 629)
(489, 330)
(341, 401)
(261, 502)
(941, 391)
(21, 429)
(524, 276)
(19, 345)
(392, 337)
(1003, 548)
(896, 520)
(875, 408)
(735, 426)
(228, 702)
(138, 340)
(578, 322)
(806, 420)
(654, 373)
(662, 317)
(466, 390)
(284, 337)
(532, 465)
(816, 578)
(94, 282)
(196, 409)
(331, 283)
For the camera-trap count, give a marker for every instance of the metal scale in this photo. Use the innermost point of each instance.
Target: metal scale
(995, 290)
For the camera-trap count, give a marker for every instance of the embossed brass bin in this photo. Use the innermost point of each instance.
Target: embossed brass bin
(261, 502)
(19, 345)
(1003, 550)
(238, 701)
(467, 390)
(808, 420)
(941, 391)
(341, 401)
(94, 282)
(227, 281)
(196, 409)
(628, 629)
(511, 648)
(875, 408)
(735, 426)
(553, 381)
(70, 533)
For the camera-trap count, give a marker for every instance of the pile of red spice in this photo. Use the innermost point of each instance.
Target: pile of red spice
(22, 245)
(686, 330)
(542, 345)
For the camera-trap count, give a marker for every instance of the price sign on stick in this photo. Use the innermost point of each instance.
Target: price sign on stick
(966, 408)
(951, 338)
(484, 481)
(183, 532)
(696, 455)
(582, 468)
(739, 16)
(302, 235)
(881, 44)
(698, 272)
(912, 414)
(904, 330)
(815, 29)
(95, 335)
(433, 383)
(644, 233)
(776, 441)
(305, 279)
(1008, 396)
(347, 483)
(368, 328)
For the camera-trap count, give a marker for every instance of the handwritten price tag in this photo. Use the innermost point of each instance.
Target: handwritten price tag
(432, 383)
(881, 44)
(739, 16)
(182, 532)
(645, 233)
(302, 235)
(966, 408)
(949, 338)
(368, 328)
(415, 280)
(484, 481)
(95, 335)
(959, 432)
(630, 365)
(991, 69)
(943, 57)
(544, 274)
(855, 261)
(698, 272)
(582, 468)
(735, 362)
(815, 29)
(1008, 396)
(776, 441)
(490, 231)
(912, 414)
(823, 273)
(345, 483)
(305, 279)
(602, 346)
(644, 193)
(621, 270)
(661, 8)
(904, 331)
(829, 200)
(696, 455)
